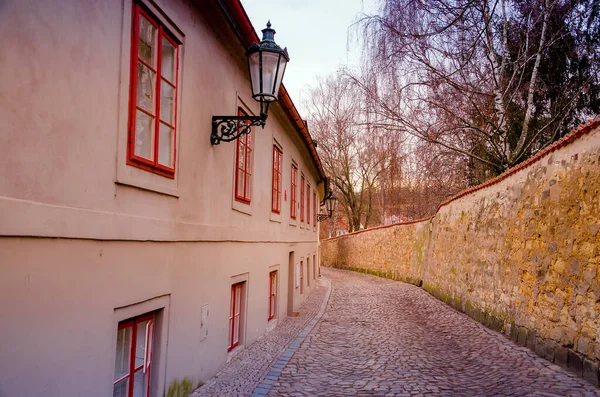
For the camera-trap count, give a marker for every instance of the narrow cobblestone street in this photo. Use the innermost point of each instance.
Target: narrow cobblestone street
(386, 338)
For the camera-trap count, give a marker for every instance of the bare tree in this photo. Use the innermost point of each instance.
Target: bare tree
(468, 75)
(349, 146)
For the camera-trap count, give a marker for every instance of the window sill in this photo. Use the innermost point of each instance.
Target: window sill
(147, 186)
(244, 208)
(275, 217)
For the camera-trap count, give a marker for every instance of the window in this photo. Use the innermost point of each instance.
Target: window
(133, 360)
(315, 209)
(301, 198)
(235, 315)
(153, 97)
(301, 277)
(276, 181)
(293, 205)
(272, 295)
(308, 272)
(243, 161)
(307, 203)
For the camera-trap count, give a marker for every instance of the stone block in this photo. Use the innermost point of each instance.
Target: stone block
(521, 336)
(514, 332)
(591, 372)
(575, 363)
(531, 339)
(550, 348)
(540, 347)
(560, 355)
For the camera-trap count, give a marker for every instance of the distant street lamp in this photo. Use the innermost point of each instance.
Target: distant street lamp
(266, 65)
(329, 203)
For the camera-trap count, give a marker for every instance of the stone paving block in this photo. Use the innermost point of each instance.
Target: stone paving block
(379, 337)
(241, 375)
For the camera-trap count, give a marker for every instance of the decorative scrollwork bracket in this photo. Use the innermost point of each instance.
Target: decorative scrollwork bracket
(230, 128)
(322, 217)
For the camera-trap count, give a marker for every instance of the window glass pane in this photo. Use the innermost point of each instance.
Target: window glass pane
(249, 140)
(236, 329)
(241, 155)
(165, 145)
(147, 42)
(144, 135)
(248, 185)
(123, 352)
(249, 159)
(139, 384)
(230, 334)
(140, 343)
(146, 83)
(120, 389)
(240, 183)
(238, 300)
(168, 60)
(167, 102)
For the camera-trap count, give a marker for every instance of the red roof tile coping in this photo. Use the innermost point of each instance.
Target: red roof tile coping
(564, 141)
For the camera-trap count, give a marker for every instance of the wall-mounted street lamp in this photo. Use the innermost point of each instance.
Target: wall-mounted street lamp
(329, 203)
(266, 64)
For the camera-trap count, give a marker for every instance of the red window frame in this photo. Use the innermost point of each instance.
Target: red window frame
(146, 366)
(301, 277)
(276, 180)
(243, 165)
(235, 315)
(307, 203)
(301, 198)
(293, 202)
(144, 163)
(315, 209)
(272, 294)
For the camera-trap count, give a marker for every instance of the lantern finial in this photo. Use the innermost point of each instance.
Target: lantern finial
(268, 33)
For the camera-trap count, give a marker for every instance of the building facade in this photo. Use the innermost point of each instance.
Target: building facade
(135, 254)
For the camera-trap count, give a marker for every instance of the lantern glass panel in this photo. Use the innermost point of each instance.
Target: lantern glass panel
(254, 67)
(330, 204)
(270, 60)
(282, 65)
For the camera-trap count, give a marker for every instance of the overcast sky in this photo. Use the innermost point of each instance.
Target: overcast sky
(317, 33)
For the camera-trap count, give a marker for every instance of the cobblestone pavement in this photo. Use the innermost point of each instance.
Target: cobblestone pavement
(248, 368)
(381, 337)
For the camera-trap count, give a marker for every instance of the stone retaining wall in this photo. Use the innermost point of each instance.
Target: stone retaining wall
(520, 254)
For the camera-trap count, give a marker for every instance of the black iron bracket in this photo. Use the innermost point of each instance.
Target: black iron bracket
(230, 128)
(322, 217)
